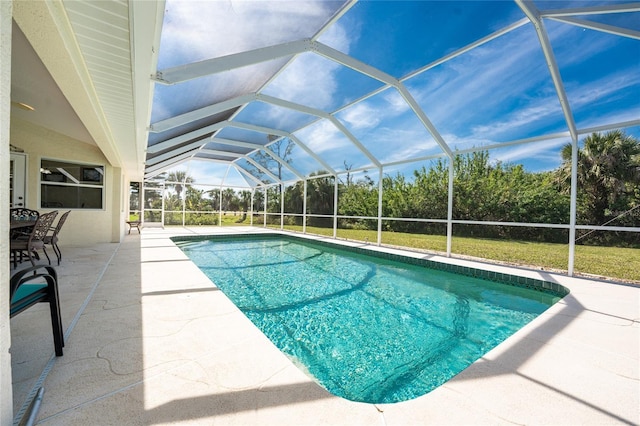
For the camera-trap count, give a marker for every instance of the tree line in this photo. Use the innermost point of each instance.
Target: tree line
(483, 190)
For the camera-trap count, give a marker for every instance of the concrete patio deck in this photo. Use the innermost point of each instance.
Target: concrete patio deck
(151, 341)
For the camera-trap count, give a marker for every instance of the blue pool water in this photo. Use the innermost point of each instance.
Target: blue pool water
(367, 329)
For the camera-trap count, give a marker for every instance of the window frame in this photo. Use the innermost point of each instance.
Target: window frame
(84, 168)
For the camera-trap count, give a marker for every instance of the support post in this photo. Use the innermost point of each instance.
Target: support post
(304, 208)
(164, 190)
(220, 208)
(281, 206)
(142, 192)
(264, 219)
(573, 209)
(335, 206)
(380, 186)
(184, 206)
(450, 207)
(251, 208)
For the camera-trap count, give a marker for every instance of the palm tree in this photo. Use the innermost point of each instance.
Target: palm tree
(229, 200)
(608, 175)
(245, 200)
(177, 179)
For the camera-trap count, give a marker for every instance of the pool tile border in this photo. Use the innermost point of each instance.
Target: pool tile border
(547, 287)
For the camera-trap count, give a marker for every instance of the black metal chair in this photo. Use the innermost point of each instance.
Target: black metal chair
(34, 285)
(52, 239)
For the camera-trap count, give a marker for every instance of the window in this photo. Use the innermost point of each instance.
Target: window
(71, 185)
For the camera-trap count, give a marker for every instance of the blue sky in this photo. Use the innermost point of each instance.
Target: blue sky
(499, 92)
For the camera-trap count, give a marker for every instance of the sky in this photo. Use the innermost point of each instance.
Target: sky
(497, 93)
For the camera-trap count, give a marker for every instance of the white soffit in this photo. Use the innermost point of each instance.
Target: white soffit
(102, 33)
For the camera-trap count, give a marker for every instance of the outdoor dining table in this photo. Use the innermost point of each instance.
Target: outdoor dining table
(19, 227)
(15, 224)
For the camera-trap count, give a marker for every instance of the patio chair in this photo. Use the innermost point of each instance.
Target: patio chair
(30, 243)
(34, 285)
(52, 239)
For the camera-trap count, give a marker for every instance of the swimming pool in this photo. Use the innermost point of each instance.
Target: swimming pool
(368, 327)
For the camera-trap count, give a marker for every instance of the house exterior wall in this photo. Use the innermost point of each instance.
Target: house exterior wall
(83, 227)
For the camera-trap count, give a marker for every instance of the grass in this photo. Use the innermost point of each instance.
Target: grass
(236, 220)
(611, 262)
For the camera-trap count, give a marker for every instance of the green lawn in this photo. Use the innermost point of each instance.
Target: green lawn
(236, 220)
(612, 262)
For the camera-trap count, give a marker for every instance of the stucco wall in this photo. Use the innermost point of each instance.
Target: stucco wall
(6, 390)
(83, 227)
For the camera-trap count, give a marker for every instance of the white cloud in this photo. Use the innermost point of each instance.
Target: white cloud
(386, 107)
(337, 37)
(401, 153)
(205, 171)
(544, 150)
(581, 95)
(309, 80)
(396, 102)
(456, 142)
(197, 30)
(481, 80)
(322, 136)
(612, 118)
(360, 116)
(520, 118)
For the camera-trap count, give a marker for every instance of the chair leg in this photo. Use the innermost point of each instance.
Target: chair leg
(56, 321)
(57, 251)
(45, 253)
(31, 254)
(58, 335)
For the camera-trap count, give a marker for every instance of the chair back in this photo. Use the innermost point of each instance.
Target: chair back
(34, 285)
(61, 221)
(21, 288)
(24, 214)
(42, 226)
